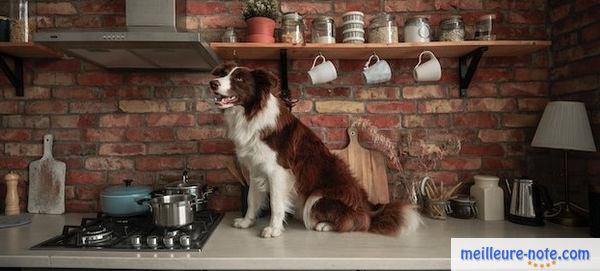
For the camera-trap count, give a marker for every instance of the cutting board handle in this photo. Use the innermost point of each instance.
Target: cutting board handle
(48, 140)
(352, 133)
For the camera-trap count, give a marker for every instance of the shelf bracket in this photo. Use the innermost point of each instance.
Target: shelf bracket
(283, 79)
(15, 76)
(466, 68)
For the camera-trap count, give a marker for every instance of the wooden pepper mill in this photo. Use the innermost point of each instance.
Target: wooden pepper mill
(12, 196)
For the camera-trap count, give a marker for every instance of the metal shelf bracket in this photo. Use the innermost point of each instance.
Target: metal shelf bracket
(15, 76)
(283, 79)
(467, 67)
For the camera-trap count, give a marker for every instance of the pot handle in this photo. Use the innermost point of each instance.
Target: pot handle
(144, 201)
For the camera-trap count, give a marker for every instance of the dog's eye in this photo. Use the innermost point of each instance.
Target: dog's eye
(239, 79)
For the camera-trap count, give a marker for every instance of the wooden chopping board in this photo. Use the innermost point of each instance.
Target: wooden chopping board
(46, 183)
(368, 166)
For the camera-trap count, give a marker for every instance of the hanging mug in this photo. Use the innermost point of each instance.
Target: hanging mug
(429, 70)
(378, 72)
(323, 72)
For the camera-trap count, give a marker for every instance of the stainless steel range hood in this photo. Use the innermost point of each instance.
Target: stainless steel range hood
(152, 40)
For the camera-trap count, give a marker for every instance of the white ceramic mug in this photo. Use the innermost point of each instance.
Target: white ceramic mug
(379, 72)
(429, 70)
(322, 73)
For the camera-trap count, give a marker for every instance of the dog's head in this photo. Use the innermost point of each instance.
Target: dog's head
(236, 85)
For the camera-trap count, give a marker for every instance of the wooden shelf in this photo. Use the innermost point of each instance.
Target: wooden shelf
(28, 50)
(386, 51)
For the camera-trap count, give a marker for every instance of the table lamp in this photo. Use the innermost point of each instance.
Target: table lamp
(565, 125)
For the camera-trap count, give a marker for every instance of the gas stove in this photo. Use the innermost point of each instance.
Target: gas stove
(134, 233)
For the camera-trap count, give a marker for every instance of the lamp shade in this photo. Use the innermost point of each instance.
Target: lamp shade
(564, 125)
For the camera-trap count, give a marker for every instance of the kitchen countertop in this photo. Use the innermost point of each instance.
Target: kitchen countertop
(228, 248)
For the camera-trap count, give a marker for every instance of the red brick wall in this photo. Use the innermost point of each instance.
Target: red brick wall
(574, 75)
(148, 125)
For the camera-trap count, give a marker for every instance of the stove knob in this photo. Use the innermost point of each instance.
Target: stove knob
(184, 241)
(152, 241)
(136, 241)
(168, 242)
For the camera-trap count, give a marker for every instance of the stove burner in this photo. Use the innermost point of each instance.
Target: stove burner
(95, 234)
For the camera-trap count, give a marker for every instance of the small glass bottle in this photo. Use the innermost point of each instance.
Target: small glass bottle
(483, 27)
(452, 29)
(292, 28)
(417, 29)
(229, 35)
(383, 29)
(323, 30)
(19, 23)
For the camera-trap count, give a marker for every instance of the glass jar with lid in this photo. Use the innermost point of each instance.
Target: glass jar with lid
(229, 35)
(452, 29)
(383, 29)
(417, 29)
(19, 18)
(484, 26)
(292, 28)
(323, 30)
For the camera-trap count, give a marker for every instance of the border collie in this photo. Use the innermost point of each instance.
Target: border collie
(288, 161)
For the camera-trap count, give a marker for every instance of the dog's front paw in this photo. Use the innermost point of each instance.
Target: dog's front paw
(323, 226)
(269, 232)
(243, 223)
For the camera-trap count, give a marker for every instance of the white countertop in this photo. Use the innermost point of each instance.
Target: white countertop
(229, 248)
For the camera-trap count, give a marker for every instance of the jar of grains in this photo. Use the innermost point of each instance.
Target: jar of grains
(19, 28)
(383, 29)
(323, 30)
(292, 28)
(417, 29)
(452, 29)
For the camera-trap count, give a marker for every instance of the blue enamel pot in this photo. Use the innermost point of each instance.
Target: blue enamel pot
(121, 200)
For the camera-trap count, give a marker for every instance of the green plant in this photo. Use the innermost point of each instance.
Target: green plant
(261, 8)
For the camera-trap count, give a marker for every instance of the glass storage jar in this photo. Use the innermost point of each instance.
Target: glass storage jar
(229, 35)
(383, 29)
(19, 17)
(417, 29)
(483, 27)
(323, 30)
(452, 29)
(292, 28)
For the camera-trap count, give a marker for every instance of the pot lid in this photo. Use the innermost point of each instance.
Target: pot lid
(177, 185)
(126, 189)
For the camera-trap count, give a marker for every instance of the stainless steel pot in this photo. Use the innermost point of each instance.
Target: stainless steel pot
(183, 187)
(172, 211)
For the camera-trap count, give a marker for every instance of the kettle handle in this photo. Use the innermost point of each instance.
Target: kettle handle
(545, 199)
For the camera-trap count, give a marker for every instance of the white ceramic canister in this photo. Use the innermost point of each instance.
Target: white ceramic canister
(489, 197)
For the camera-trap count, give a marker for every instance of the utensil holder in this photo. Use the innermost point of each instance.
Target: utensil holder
(437, 209)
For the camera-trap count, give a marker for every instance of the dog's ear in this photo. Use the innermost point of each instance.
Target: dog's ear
(264, 79)
(223, 69)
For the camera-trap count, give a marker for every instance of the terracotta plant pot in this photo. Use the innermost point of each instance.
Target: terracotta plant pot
(260, 29)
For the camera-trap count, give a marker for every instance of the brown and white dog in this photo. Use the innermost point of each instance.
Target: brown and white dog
(287, 160)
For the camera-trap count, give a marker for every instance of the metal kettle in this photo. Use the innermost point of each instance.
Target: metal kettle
(528, 202)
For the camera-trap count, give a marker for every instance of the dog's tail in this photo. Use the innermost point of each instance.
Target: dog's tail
(395, 217)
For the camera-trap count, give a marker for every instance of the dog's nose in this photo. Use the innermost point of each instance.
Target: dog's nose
(214, 84)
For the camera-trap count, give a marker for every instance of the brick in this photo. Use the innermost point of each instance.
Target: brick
(177, 106)
(142, 106)
(31, 92)
(117, 177)
(302, 106)
(407, 5)
(524, 89)
(325, 120)
(73, 121)
(192, 79)
(216, 147)
(219, 176)
(54, 78)
(527, 17)
(170, 120)
(482, 150)
(366, 6)
(376, 93)
(581, 84)
(20, 121)
(339, 107)
(221, 21)
(422, 92)
(150, 134)
(382, 121)
(210, 119)
(558, 13)
(146, 79)
(456, 163)
(74, 93)
(63, 65)
(520, 120)
(60, 135)
(500, 164)
(98, 78)
(88, 192)
(423, 121)
(15, 135)
(491, 104)
(59, 8)
(121, 120)
(81, 21)
(122, 149)
(391, 107)
(333, 135)
(128, 92)
(210, 161)
(9, 107)
(84, 177)
(158, 163)
(76, 206)
(501, 135)
(532, 104)
(224, 203)
(13, 163)
(202, 106)
(593, 167)
(92, 107)
(306, 7)
(74, 149)
(531, 74)
(205, 8)
(105, 134)
(200, 133)
(445, 177)
(590, 33)
(102, 6)
(108, 163)
(46, 107)
(492, 75)
(327, 92)
(441, 106)
(172, 148)
(485, 120)
(23, 149)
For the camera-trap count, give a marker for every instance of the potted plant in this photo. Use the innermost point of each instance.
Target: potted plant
(260, 16)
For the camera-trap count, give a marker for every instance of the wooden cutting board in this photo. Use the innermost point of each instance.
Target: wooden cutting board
(368, 166)
(46, 183)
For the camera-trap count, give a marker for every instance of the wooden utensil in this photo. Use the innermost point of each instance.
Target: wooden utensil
(47, 183)
(368, 166)
(12, 196)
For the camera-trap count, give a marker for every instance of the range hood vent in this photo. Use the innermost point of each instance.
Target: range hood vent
(153, 40)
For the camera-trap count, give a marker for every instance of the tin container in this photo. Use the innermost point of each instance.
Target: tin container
(417, 29)
(383, 29)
